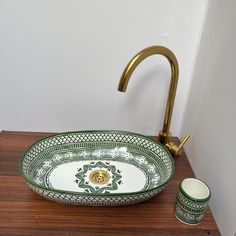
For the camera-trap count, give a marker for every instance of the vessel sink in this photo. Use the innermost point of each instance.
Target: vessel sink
(97, 167)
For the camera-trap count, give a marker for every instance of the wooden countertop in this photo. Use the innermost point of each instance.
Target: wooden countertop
(23, 212)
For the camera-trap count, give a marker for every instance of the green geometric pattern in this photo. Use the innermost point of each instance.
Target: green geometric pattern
(146, 151)
(98, 200)
(191, 204)
(191, 212)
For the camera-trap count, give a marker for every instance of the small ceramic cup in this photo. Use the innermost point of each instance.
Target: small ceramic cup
(192, 201)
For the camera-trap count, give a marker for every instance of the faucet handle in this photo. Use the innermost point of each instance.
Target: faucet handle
(177, 150)
(184, 141)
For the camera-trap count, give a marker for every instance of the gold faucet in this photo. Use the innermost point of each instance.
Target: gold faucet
(123, 83)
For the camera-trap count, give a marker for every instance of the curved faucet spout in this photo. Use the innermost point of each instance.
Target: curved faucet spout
(134, 62)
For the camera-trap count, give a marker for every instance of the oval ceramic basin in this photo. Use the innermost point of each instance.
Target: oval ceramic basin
(97, 167)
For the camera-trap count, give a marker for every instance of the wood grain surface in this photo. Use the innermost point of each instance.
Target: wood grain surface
(23, 212)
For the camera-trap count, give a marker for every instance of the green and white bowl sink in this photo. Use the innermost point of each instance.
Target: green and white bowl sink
(97, 167)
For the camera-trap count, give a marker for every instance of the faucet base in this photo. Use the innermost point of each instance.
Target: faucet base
(173, 149)
(164, 137)
(165, 140)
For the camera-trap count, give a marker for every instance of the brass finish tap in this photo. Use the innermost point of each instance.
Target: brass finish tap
(123, 83)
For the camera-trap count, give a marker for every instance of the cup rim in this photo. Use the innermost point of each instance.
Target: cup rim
(191, 197)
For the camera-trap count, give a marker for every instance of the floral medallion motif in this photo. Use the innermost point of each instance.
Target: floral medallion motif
(98, 177)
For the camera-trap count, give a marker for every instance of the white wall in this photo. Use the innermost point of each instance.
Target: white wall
(60, 62)
(211, 113)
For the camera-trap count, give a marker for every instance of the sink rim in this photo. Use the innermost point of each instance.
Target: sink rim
(29, 181)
